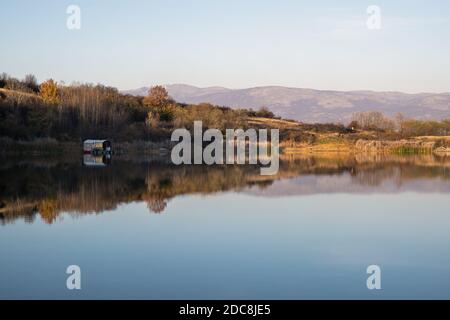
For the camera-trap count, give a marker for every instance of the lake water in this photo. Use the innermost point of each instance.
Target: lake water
(149, 230)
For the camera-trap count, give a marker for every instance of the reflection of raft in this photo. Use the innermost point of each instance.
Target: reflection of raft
(90, 160)
(97, 147)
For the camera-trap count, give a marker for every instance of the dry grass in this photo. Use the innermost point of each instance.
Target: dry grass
(273, 123)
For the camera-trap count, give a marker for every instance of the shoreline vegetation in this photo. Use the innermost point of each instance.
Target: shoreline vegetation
(53, 119)
(53, 148)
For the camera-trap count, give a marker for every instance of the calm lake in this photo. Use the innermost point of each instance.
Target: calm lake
(149, 230)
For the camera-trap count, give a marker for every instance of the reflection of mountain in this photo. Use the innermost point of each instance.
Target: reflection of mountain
(48, 189)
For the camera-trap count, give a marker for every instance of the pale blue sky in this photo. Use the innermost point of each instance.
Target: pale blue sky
(233, 43)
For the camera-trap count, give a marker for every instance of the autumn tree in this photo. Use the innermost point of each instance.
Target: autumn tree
(157, 97)
(49, 92)
(161, 106)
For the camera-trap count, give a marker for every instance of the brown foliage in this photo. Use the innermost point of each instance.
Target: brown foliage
(157, 97)
(48, 210)
(49, 92)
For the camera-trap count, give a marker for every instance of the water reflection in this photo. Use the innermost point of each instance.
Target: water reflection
(49, 188)
(91, 160)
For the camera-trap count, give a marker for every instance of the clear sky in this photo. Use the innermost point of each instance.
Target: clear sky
(233, 43)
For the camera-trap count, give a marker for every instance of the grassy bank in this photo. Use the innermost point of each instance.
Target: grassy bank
(38, 147)
(328, 143)
(346, 144)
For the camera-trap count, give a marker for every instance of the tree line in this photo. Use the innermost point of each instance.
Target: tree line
(30, 110)
(405, 128)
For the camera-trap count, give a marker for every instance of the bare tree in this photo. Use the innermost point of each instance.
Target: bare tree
(31, 82)
(373, 120)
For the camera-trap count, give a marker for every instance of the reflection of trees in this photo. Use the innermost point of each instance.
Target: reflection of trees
(27, 190)
(164, 183)
(156, 205)
(376, 176)
(48, 210)
(374, 169)
(157, 192)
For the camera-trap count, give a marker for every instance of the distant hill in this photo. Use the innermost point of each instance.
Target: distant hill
(311, 105)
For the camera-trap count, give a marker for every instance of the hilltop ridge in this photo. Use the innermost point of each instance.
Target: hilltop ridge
(310, 105)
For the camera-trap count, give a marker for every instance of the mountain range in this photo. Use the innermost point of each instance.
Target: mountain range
(309, 105)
